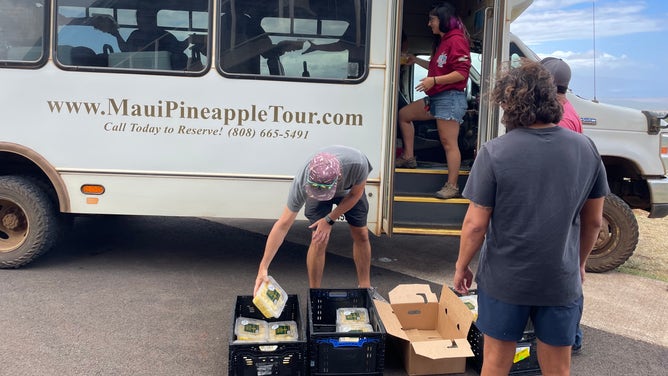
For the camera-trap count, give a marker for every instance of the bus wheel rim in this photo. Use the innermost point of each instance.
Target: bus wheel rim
(13, 226)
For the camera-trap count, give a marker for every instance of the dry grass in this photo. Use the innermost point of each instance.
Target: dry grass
(650, 258)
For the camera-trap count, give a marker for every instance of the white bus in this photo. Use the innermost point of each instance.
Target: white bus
(208, 107)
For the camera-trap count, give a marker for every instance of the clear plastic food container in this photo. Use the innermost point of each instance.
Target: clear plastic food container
(280, 331)
(355, 315)
(270, 299)
(247, 329)
(354, 328)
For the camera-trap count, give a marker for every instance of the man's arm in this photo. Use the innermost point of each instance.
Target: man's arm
(591, 220)
(274, 241)
(473, 234)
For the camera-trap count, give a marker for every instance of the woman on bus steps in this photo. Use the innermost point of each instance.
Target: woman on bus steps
(448, 71)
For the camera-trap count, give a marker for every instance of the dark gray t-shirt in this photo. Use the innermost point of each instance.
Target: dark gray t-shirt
(536, 181)
(355, 169)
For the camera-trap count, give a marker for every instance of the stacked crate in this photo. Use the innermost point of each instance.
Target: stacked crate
(337, 353)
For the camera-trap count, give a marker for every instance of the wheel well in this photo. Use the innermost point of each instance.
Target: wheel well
(626, 181)
(32, 165)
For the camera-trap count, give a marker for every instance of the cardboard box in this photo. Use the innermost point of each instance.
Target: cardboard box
(432, 331)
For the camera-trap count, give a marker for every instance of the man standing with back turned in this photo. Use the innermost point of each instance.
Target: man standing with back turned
(536, 208)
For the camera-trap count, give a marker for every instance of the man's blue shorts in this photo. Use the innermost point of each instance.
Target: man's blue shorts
(553, 325)
(356, 216)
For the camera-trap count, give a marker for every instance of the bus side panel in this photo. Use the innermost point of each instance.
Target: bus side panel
(190, 196)
(123, 123)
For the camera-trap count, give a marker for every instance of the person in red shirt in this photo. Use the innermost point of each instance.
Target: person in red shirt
(448, 71)
(561, 74)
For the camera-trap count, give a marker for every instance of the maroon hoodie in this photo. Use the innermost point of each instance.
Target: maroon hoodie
(453, 54)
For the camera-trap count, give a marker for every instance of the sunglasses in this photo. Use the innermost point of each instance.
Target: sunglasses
(320, 185)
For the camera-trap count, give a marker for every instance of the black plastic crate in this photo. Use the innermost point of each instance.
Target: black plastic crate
(270, 358)
(334, 353)
(526, 366)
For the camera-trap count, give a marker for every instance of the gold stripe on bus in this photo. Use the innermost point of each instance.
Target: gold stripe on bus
(427, 171)
(426, 231)
(433, 200)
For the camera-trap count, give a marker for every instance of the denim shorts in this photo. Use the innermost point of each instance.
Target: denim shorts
(448, 105)
(356, 216)
(554, 325)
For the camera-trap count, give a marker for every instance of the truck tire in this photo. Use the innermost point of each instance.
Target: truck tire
(617, 239)
(29, 221)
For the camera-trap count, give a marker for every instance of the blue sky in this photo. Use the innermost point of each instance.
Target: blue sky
(630, 48)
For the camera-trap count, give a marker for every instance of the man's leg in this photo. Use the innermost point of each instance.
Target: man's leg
(577, 346)
(502, 325)
(362, 254)
(554, 360)
(315, 263)
(315, 258)
(497, 357)
(555, 328)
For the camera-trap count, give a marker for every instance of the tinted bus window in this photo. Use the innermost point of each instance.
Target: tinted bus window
(309, 39)
(162, 35)
(22, 30)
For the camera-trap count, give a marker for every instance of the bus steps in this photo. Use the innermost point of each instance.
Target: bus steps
(417, 211)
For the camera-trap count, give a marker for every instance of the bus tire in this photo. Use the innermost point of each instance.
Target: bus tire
(617, 239)
(29, 221)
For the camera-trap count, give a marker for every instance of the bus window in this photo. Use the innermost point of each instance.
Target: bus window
(22, 30)
(302, 38)
(164, 35)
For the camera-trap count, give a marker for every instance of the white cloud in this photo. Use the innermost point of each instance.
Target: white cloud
(585, 60)
(554, 20)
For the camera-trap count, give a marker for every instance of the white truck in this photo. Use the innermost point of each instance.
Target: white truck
(632, 143)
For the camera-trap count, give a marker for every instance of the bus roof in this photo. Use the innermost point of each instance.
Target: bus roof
(518, 7)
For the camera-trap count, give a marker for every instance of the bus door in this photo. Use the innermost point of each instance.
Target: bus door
(395, 38)
(415, 208)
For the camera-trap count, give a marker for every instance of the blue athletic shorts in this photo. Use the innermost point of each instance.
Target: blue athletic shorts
(356, 216)
(448, 105)
(553, 325)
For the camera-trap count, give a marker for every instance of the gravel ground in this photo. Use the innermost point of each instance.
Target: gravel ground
(650, 258)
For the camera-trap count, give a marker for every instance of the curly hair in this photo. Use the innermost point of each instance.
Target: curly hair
(527, 96)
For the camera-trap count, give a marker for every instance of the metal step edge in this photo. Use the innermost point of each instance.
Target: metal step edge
(426, 231)
(427, 171)
(431, 200)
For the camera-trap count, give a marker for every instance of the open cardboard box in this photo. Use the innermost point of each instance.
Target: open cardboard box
(432, 331)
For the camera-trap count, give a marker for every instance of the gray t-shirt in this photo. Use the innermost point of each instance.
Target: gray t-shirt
(355, 169)
(536, 181)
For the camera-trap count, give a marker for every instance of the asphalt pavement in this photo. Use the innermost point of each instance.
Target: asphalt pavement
(154, 296)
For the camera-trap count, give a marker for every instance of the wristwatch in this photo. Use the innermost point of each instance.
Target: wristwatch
(329, 220)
